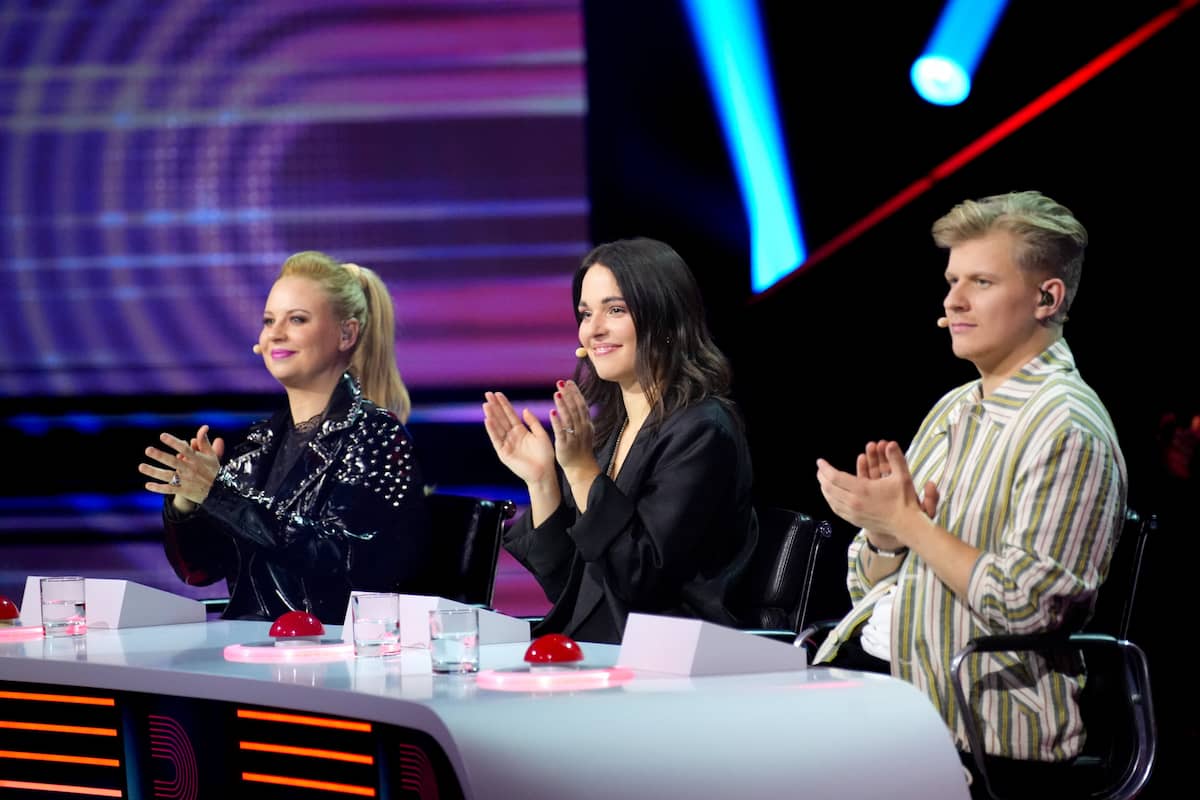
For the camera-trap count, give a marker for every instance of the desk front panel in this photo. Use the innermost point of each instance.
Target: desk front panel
(59, 741)
(160, 712)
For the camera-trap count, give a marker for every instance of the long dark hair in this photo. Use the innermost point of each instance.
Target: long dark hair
(678, 364)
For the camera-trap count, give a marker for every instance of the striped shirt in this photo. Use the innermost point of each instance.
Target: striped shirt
(1034, 477)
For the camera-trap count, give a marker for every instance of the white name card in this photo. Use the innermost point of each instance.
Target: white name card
(681, 646)
(113, 603)
(494, 627)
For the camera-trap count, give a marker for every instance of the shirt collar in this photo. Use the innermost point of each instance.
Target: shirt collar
(1004, 403)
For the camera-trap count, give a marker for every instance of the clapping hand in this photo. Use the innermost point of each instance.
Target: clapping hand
(878, 494)
(522, 443)
(573, 431)
(187, 473)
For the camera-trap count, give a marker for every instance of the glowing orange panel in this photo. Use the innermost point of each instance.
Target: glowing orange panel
(304, 783)
(48, 728)
(302, 719)
(59, 698)
(309, 752)
(58, 757)
(60, 788)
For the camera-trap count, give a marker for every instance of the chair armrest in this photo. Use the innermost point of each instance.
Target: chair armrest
(811, 636)
(1135, 679)
(1000, 642)
(1021, 642)
(215, 605)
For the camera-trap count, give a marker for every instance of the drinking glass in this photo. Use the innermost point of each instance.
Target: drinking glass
(64, 608)
(376, 622)
(454, 640)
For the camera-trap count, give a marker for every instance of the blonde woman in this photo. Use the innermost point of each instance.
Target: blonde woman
(324, 497)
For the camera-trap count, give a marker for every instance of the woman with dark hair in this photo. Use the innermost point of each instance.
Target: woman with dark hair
(324, 497)
(647, 506)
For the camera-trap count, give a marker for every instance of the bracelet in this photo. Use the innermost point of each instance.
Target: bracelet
(879, 551)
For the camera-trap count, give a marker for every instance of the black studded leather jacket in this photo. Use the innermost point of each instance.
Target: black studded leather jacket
(350, 514)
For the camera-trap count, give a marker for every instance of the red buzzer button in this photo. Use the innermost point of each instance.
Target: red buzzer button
(553, 648)
(297, 624)
(8, 609)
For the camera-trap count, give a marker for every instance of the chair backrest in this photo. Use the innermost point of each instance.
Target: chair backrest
(1114, 604)
(1118, 714)
(1119, 754)
(1116, 704)
(466, 545)
(773, 593)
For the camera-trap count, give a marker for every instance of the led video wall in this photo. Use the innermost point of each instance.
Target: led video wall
(158, 161)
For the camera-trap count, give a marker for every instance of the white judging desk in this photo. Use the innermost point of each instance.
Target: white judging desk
(160, 712)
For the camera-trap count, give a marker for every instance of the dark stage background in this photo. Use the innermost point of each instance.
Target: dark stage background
(473, 151)
(848, 350)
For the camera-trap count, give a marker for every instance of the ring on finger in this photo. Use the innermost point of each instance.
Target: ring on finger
(174, 480)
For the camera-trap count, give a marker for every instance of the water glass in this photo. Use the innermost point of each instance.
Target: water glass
(375, 617)
(64, 610)
(454, 640)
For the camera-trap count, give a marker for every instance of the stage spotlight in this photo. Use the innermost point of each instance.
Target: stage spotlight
(730, 41)
(940, 80)
(942, 74)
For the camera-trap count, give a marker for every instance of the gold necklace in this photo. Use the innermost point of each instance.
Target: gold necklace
(612, 462)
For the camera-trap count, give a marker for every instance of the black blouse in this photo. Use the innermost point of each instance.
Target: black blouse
(671, 535)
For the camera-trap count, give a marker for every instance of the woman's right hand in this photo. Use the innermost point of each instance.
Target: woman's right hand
(189, 472)
(521, 443)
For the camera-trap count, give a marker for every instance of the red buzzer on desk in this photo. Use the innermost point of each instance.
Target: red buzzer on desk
(8, 611)
(553, 648)
(297, 625)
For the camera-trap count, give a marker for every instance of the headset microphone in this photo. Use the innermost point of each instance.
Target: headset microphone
(581, 352)
(943, 322)
(257, 350)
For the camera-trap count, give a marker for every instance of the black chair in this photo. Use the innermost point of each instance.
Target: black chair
(771, 598)
(1115, 701)
(466, 546)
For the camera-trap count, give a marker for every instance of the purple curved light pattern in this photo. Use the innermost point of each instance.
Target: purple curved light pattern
(416, 773)
(170, 742)
(159, 161)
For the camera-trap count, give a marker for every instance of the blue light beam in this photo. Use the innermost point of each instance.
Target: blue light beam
(728, 34)
(943, 73)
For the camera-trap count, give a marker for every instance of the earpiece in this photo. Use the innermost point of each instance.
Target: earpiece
(1047, 299)
(581, 352)
(943, 322)
(257, 350)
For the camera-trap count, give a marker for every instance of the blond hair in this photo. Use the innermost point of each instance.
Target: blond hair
(1049, 238)
(358, 293)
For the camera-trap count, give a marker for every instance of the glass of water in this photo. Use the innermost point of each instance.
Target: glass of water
(376, 621)
(454, 640)
(64, 609)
